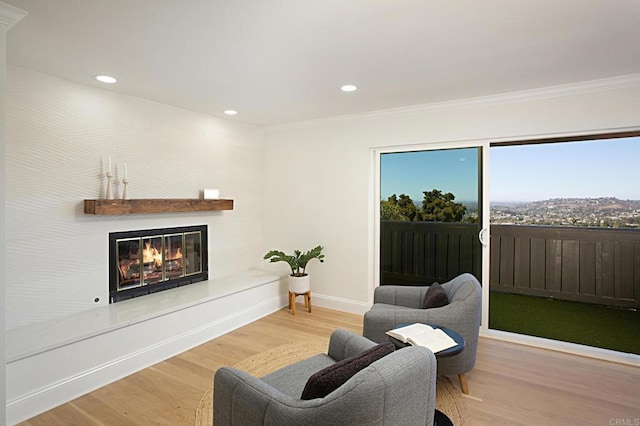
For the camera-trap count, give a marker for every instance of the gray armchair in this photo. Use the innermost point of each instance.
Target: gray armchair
(395, 305)
(396, 389)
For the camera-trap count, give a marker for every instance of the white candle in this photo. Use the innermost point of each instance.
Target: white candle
(109, 165)
(125, 170)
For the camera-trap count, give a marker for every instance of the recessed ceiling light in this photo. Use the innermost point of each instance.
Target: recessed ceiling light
(349, 88)
(106, 79)
(231, 112)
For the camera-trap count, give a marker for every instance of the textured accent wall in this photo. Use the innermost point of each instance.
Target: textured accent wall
(58, 138)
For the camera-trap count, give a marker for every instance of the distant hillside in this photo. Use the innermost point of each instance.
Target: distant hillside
(596, 204)
(603, 211)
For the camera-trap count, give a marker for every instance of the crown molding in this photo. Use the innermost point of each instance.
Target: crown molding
(611, 83)
(10, 15)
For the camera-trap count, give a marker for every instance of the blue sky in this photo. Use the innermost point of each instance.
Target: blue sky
(411, 173)
(589, 169)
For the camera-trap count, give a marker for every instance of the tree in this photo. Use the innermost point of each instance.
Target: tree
(389, 209)
(439, 207)
(407, 208)
(436, 207)
(399, 208)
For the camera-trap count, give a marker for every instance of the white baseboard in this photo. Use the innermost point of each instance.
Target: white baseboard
(566, 347)
(339, 304)
(46, 397)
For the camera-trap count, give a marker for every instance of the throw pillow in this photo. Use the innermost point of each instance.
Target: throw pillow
(327, 380)
(435, 297)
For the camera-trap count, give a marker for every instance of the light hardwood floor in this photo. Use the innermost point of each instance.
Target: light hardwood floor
(510, 385)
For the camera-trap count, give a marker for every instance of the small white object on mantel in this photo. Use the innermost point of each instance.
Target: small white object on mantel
(109, 175)
(211, 194)
(125, 182)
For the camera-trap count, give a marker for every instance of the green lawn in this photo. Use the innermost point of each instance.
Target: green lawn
(598, 326)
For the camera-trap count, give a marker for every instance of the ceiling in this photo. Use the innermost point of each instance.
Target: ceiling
(283, 61)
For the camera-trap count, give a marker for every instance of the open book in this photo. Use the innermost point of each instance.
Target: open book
(423, 335)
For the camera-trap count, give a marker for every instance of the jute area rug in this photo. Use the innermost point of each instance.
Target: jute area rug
(449, 400)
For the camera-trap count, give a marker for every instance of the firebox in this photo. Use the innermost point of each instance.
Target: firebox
(152, 260)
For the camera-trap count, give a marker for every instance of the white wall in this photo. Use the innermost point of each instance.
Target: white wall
(320, 173)
(59, 135)
(9, 15)
(3, 394)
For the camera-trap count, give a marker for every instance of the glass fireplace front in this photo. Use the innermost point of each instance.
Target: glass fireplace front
(147, 261)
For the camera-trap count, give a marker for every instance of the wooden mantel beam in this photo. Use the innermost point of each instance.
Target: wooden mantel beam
(155, 205)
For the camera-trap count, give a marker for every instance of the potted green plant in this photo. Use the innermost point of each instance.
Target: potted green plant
(297, 261)
(299, 281)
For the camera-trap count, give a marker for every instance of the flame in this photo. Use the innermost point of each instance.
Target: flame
(176, 255)
(151, 254)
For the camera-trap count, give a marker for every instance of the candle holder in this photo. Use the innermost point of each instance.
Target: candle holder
(109, 195)
(125, 181)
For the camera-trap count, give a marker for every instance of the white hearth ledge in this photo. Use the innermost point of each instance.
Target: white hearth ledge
(30, 340)
(53, 362)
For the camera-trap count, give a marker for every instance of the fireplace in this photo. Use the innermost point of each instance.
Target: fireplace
(152, 260)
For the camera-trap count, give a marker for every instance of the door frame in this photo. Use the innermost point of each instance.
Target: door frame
(374, 254)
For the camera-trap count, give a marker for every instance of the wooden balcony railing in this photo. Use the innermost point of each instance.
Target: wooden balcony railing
(418, 253)
(591, 265)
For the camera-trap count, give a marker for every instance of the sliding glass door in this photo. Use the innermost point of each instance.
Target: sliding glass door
(565, 240)
(565, 232)
(430, 215)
